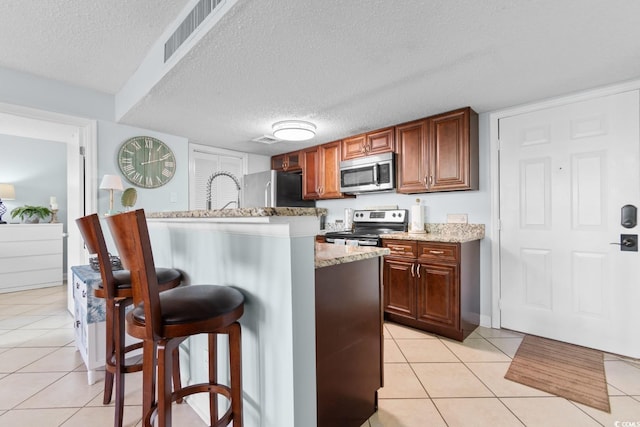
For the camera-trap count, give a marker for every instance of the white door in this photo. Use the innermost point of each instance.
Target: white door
(565, 173)
(224, 192)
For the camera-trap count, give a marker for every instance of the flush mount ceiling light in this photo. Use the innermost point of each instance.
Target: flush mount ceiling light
(294, 130)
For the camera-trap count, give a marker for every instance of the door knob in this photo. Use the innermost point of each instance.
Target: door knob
(628, 242)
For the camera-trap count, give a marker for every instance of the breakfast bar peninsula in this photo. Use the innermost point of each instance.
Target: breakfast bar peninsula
(270, 255)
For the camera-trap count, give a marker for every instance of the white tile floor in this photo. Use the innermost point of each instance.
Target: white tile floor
(429, 381)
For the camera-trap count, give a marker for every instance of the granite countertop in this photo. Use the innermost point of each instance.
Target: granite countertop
(240, 213)
(328, 254)
(452, 233)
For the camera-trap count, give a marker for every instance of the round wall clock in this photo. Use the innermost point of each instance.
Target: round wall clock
(146, 162)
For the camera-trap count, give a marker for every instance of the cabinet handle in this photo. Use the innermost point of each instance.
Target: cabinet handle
(413, 274)
(418, 270)
(436, 252)
(426, 181)
(430, 179)
(397, 248)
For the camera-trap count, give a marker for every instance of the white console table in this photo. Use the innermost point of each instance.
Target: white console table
(89, 320)
(30, 256)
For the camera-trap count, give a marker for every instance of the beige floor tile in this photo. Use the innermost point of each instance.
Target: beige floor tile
(60, 360)
(51, 338)
(366, 424)
(508, 346)
(612, 391)
(636, 398)
(16, 388)
(425, 350)
(406, 413)
(52, 322)
(37, 417)
(497, 333)
(548, 412)
(622, 375)
(400, 382)
(71, 390)
(18, 337)
(492, 375)
(476, 350)
(15, 322)
(132, 391)
(623, 408)
(449, 380)
(400, 332)
(15, 359)
(476, 412)
(474, 334)
(392, 353)
(184, 415)
(103, 417)
(7, 310)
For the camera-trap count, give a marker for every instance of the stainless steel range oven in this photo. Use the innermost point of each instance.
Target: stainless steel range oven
(368, 225)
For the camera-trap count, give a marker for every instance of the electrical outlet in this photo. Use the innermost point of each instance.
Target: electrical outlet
(457, 218)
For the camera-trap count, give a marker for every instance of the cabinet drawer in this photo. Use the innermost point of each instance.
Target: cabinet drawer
(401, 248)
(432, 251)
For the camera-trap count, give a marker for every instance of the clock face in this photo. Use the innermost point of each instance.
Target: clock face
(146, 162)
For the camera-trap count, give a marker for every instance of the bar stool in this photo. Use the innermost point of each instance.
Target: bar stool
(116, 290)
(164, 320)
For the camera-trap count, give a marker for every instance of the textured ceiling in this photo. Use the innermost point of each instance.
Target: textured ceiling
(348, 67)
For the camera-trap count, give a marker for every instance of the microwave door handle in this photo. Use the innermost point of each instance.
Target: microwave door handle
(376, 174)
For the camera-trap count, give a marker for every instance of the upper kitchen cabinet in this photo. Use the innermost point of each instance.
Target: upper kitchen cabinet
(287, 162)
(380, 141)
(439, 153)
(320, 174)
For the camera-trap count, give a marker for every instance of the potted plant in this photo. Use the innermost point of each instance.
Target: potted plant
(31, 214)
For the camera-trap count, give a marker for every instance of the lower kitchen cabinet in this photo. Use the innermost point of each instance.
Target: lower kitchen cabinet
(349, 353)
(433, 286)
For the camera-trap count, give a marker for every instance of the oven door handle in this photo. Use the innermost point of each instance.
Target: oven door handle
(368, 242)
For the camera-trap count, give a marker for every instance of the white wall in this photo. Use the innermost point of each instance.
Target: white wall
(110, 137)
(38, 170)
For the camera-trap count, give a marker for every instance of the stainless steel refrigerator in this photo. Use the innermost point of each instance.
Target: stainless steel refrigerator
(273, 189)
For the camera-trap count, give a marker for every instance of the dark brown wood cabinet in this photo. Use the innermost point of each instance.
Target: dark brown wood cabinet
(439, 153)
(433, 286)
(320, 172)
(349, 352)
(380, 141)
(287, 162)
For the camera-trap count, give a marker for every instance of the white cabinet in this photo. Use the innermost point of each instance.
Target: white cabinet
(89, 319)
(30, 256)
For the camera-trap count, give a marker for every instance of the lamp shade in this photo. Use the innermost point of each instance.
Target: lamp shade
(7, 192)
(111, 182)
(294, 130)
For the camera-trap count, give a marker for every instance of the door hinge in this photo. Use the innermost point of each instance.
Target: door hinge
(81, 149)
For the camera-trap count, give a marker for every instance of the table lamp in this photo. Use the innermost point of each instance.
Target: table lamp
(111, 183)
(7, 192)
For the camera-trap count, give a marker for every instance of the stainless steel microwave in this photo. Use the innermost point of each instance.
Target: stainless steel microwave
(368, 174)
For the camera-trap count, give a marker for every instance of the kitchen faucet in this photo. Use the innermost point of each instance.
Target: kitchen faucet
(210, 181)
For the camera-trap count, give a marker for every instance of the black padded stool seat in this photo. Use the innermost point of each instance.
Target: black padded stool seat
(166, 276)
(197, 303)
(115, 288)
(164, 320)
